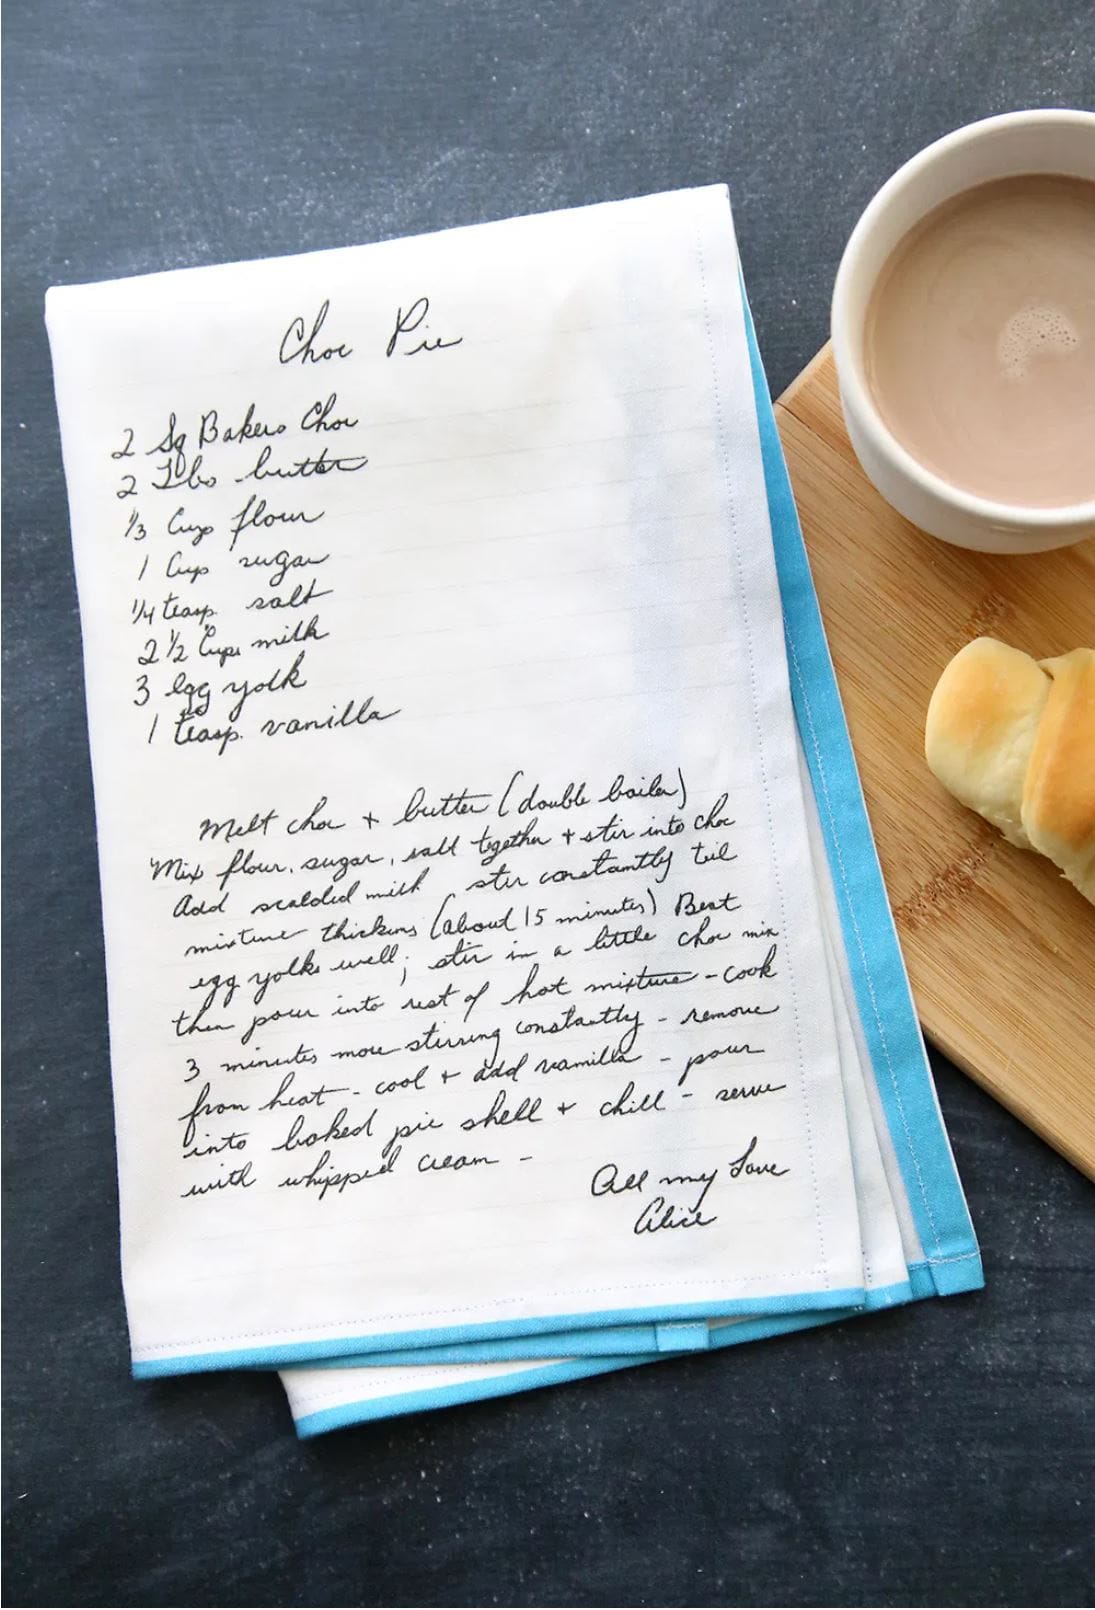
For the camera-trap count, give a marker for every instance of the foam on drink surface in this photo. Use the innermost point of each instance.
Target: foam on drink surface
(1033, 332)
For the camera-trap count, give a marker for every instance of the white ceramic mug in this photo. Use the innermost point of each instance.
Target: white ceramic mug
(1050, 141)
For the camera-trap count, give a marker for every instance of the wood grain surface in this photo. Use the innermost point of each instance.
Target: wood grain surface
(1000, 949)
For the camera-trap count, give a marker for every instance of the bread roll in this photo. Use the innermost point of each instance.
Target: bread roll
(1014, 738)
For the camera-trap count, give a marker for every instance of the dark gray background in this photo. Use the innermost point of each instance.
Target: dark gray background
(935, 1455)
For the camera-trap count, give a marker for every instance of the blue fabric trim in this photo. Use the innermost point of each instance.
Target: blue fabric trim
(275, 1355)
(750, 1330)
(678, 1338)
(874, 957)
(920, 1278)
(947, 1279)
(638, 1340)
(755, 1330)
(589, 1343)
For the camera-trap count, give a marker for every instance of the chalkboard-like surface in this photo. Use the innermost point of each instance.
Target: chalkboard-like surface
(931, 1455)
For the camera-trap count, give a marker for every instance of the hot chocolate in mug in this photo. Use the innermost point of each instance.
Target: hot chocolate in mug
(964, 334)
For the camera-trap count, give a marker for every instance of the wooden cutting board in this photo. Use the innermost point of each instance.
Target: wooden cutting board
(1000, 949)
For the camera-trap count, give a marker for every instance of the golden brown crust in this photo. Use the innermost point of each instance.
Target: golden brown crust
(981, 726)
(1059, 797)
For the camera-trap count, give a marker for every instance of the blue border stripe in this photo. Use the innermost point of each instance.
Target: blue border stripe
(566, 1370)
(639, 1340)
(679, 1336)
(275, 1355)
(878, 972)
(592, 1342)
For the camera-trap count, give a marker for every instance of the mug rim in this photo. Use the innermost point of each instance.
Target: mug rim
(987, 510)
